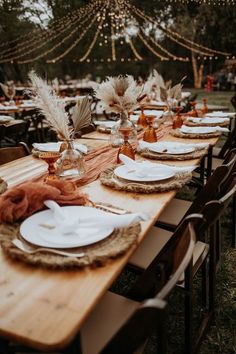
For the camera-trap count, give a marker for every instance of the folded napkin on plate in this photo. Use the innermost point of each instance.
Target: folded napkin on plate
(202, 130)
(144, 168)
(55, 147)
(220, 114)
(63, 222)
(22, 201)
(163, 145)
(208, 120)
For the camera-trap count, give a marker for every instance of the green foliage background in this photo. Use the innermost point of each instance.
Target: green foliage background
(212, 26)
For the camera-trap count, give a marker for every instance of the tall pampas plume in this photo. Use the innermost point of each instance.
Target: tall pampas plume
(81, 116)
(50, 106)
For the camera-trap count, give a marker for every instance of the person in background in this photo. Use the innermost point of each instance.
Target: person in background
(229, 80)
(234, 81)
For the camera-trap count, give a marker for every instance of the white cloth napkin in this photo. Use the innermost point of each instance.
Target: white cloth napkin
(208, 120)
(62, 221)
(54, 147)
(162, 145)
(145, 168)
(221, 114)
(202, 130)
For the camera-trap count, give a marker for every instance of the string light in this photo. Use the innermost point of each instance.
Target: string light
(119, 15)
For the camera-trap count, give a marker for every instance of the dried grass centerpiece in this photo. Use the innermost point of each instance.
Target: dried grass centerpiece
(122, 95)
(164, 92)
(53, 108)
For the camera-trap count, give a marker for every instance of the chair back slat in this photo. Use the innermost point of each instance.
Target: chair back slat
(9, 154)
(215, 185)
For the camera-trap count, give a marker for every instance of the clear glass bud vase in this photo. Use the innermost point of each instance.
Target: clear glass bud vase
(71, 162)
(117, 137)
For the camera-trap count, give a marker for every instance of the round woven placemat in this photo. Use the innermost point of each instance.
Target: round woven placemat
(97, 254)
(108, 179)
(191, 124)
(3, 186)
(178, 134)
(183, 157)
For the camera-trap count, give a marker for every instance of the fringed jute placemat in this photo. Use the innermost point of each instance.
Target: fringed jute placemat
(109, 179)
(178, 134)
(95, 255)
(191, 124)
(3, 186)
(164, 156)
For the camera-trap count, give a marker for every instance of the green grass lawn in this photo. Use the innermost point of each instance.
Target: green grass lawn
(215, 97)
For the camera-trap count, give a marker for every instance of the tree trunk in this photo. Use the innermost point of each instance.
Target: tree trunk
(197, 72)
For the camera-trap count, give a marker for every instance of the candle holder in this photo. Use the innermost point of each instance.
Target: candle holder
(50, 158)
(204, 108)
(150, 133)
(178, 121)
(193, 112)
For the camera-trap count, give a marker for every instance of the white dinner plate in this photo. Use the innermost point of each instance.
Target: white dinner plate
(38, 235)
(153, 175)
(173, 149)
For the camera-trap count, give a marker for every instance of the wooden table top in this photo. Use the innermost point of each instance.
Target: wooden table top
(45, 309)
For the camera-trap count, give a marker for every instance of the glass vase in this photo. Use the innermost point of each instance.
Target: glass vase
(71, 162)
(117, 138)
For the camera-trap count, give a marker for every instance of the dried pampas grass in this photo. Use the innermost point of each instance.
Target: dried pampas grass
(121, 94)
(164, 91)
(81, 116)
(51, 107)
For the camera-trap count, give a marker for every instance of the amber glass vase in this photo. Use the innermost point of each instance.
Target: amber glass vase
(150, 134)
(142, 118)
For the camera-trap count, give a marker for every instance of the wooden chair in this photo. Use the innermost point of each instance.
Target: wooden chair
(154, 247)
(219, 154)
(17, 132)
(176, 260)
(178, 209)
(121, 325)
(9, 154)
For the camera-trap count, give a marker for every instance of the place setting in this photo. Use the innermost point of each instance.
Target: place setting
(198, 132)
(170, 150)
(5, 119)
(206, 122)
(145, 177)
(64, 233)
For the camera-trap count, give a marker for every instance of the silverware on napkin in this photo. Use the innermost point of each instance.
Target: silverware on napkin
(32, 250)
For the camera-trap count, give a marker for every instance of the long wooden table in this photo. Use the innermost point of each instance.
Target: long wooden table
(45, 309)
